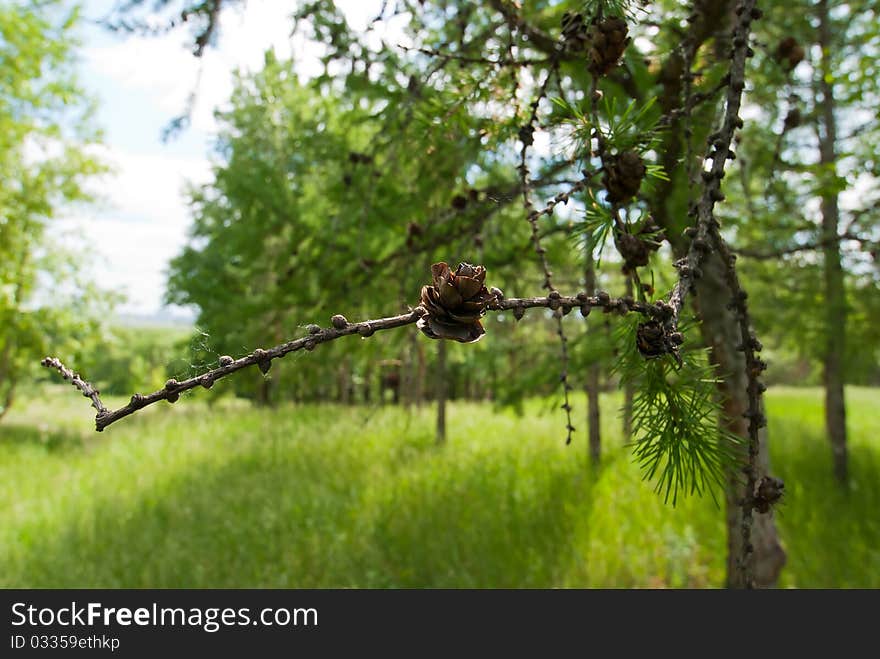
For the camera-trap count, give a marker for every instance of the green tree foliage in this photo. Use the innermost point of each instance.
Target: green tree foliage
(338, 193)
(779, 181)
(127, 359)
(44, 163)
(334, 195)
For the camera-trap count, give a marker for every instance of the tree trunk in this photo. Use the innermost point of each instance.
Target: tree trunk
(408, 372)
(343, 382)
(593, 413)
(628, 389)
(593, 374)
(719, 331)
(441, 392)
(722, 335)
(628, 395)
(264, 392)
(835, 296)
(8, 399)
(7, 381)
(367, 386)
(8, 371)
(420, 373)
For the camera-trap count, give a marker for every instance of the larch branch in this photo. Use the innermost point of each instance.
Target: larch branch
(317, 335)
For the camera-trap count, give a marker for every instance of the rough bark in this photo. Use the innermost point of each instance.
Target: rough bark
(722, 336)
(835, 298)
(713, 18)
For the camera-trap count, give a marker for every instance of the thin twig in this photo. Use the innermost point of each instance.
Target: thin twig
(318, 335)
(458, 57)
(526, 137)
(532, 215)
(438, 232)
(805, 247)
(536, 38)
(74, 378)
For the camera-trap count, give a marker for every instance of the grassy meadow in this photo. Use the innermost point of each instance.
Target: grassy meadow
(192, 496)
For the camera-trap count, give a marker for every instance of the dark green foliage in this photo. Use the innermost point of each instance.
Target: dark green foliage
(678, 443)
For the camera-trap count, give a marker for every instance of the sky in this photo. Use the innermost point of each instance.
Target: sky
(141, 219)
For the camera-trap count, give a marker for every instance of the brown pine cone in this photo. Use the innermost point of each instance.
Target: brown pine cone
(608, 39)
(634, 250)
(651, 339)
(455, 303)
(769, 492)
(789, 53)
(623, 176)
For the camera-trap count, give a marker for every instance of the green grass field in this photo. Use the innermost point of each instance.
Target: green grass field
(321, 496)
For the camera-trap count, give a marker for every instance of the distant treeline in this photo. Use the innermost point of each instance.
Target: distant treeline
(392, 369)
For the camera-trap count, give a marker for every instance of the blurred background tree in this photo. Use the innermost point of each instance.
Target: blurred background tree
(46, 160)
(807, 201)
(336, 193)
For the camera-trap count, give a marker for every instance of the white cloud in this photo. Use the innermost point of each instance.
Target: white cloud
(150, 187)
(159, 65)
(128, 258)
(142, 221)
(140, 224)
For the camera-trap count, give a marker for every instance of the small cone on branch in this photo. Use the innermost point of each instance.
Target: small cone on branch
(608, 39)
(634, 250)
(651, 339)
(623, 176)
(789, 53)
(455, 303)
(769, 492)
